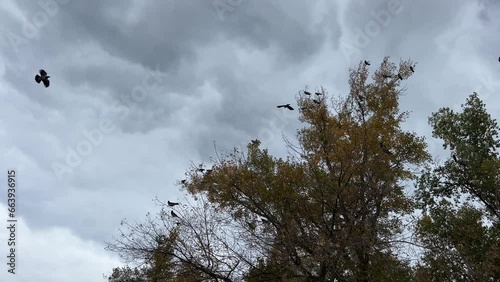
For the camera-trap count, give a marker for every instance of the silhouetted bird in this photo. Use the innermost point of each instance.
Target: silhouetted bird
(172, 213)
(183, 181)
(43, 77)
(400, 77)
(384, 149)
(286, 106)
(318, 93)
(172, 204)
(307, 93)
(316, 101)
(411, 68)
(499, 59)
(367, 63)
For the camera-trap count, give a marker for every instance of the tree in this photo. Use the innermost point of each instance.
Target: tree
(332, 210)
(461, 232)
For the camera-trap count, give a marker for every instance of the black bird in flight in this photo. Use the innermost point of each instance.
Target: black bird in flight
(411, 68)
(43, 77)
(367, 63)
(172, 204)
(384, 149)
(316, 101)
(286, 106)
(400, 77)
(307, 93)
(172, 213)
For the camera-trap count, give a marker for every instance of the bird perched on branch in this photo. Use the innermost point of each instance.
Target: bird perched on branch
(385, 149)
(173, 214)
(43, 77)
(367, 63)
(172, 204)
(286, 106)
(307, 93)
(411, 68)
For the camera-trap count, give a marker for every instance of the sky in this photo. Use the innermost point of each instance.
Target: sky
(142, 90)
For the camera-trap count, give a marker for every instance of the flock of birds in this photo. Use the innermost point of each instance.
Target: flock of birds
(287, 106)
(44, 77)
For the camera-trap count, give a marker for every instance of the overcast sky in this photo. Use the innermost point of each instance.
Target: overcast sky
(140, 89)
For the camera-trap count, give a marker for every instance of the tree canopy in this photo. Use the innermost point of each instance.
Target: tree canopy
(336, 209)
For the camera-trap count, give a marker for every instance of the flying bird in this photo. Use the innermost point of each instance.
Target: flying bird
(286, 106)
(172, 204)
(411, 68)
(384, 149)
(367, 63)
(43, 77)
(400, 77)
(307, 93)
(172, 213)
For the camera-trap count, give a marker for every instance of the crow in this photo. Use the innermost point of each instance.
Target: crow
(172, 204)
(286, 106)
(411, 68)
(384, 149)
(400, 77)
(307, 93)
(316, 101)
(367, 63)
(43, 77)
(172, 213)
